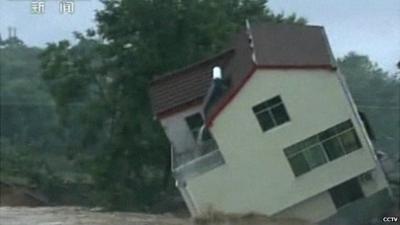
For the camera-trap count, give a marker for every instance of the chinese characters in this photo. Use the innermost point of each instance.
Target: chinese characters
(38, 7)
(65, 7)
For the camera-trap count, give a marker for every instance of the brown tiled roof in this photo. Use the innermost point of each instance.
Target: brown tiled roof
(240, 65)
(185, 86)
(290, 45)
(274, 46)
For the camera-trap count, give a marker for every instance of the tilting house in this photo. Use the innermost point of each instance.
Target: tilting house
(269, 126)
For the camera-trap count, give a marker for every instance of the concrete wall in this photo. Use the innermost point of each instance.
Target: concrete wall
(180, 137)
(314, 209)
(178, 131)
(257, 176)
(321, 206)
(363, 211)
(378, 182)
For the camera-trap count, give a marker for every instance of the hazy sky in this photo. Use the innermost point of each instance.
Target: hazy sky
(369, 27)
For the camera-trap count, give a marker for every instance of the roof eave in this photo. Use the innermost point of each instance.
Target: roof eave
(169, 112)
(168, 75)
(320, 66)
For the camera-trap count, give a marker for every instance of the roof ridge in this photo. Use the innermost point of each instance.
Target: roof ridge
(258, 23)
(190, 66)
(276, 46)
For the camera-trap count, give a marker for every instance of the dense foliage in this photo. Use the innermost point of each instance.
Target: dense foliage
(93, 115)
(377, 93)
(29, 128)
(108, 74)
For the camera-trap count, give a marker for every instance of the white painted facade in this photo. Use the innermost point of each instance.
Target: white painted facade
(321, 206)
(257, 176)
(182, 140)
(177, 130)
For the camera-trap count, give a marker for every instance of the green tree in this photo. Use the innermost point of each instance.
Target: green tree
(27, 110)
(376, 93)
(108, 74)
(28, 137)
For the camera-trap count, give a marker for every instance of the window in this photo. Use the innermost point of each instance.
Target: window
(271, 113)
(299, 164)
(306, 159)
(346, 192)
(315, 156)
(321, 148)
(333, 148)
(350, 141)
(195, 122)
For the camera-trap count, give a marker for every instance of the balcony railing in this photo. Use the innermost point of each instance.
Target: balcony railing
(201, 159)
(181, 158)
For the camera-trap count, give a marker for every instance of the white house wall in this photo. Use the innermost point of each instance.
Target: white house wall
(257, 176)
(180, 137)
(320, 206)
(178, 131)
(378, 182)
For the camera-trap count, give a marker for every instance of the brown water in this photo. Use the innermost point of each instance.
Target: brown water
(80, 216)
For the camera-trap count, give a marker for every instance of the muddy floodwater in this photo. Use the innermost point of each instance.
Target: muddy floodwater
(80, 216)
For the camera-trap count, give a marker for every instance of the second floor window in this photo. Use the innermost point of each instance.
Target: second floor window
(195, 122)
(271, 113)
(323, 147)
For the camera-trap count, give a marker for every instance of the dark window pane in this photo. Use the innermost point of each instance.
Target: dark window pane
(327, 134)
(260, 107)
(271, 113)
(195, 133)
(333, 148)
(350, 141)
(194, 122)
(335, 130)
(266, 104)
(292, 150)
(315, 156)
(265, 120)
(280, 114)
(299, 164)
(274, 101)
(309, 141)
(301, 145)
(346, 192)
(344, 126)
(206, 135)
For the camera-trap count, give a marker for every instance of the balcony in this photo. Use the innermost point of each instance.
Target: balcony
(200, 160)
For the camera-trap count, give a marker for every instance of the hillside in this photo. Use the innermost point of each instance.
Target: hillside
(42, 152)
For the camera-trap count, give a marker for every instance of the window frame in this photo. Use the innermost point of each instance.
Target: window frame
(336, 191)
(206, 135)
(266, 107)
(196, 130)
(336, 132)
